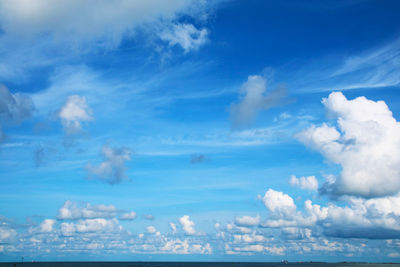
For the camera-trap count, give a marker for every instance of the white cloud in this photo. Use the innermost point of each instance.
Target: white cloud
(279, 203)
(250, 248)
(74, 111)
(67, 229)
(297, 240)
(249, 238)
(259, 248)
(308, 183)
(187, 225)
(253, 100)
(185, 35)
(376, 218)
(112, 169)
(96, 225)
(72, 211)
(6, 234)
(100, 235)
(92, 236)
(47, 226)
(365, 143)
(45, 33)
(173, 227)
(283, 212)
(128, 216)
(378, 67)
(179, 246)
(233, 228)
(101, 21)
(247, 220)
(151, 229)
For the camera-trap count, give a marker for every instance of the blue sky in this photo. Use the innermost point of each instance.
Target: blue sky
(199, 130)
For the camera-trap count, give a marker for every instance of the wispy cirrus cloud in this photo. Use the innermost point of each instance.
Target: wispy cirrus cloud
(377, 67)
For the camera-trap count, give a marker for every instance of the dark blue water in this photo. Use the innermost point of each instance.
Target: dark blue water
(189, 264)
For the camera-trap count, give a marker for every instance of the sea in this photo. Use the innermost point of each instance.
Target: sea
(192, 264)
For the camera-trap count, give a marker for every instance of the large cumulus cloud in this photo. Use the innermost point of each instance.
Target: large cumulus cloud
(365, 142)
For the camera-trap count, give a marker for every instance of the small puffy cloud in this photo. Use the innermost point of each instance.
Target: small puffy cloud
(67, 229)
(254, 98)
(364, 143)
(250, 248)
(198, 158)
(187, 36)
(249, 238)
(14, 108)
(91, 226)
(6, 234)
(72, 211)
(92, 236)
(173, 227)
(149, 217)
(112, 169)
(151, 229)
(258, 248)
(279, 203)
(73, 113)
(233, 228)
(178, 246)
(128, 216)
(247, 221)
(47, 226)
(308, 183)
(283, 212)
(187, 225)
